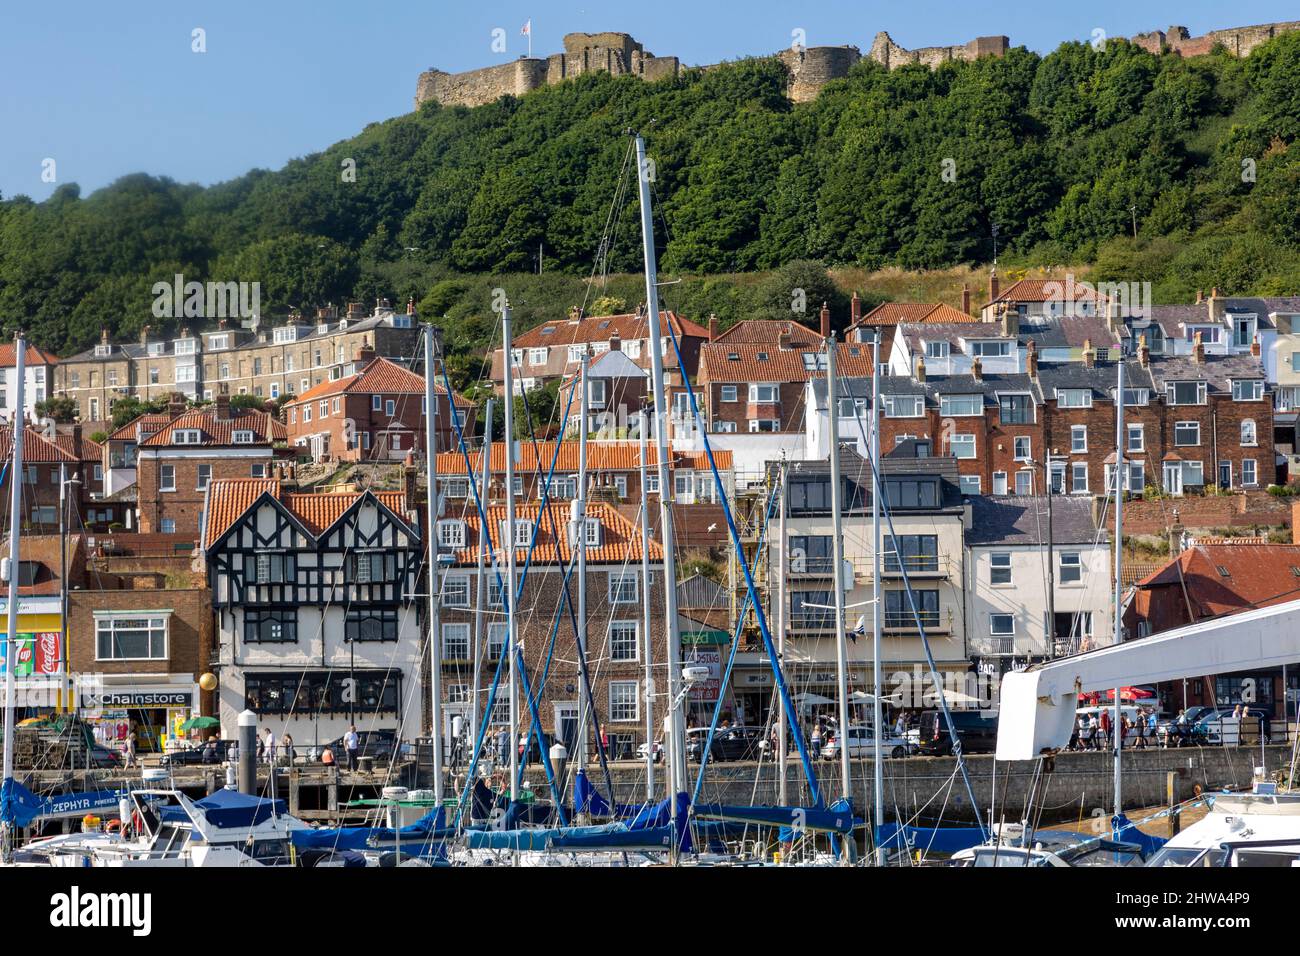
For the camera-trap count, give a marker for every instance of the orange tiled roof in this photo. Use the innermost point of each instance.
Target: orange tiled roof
(150, 421)
(89, 450)
(32, 356)
(598, 328)
(230, 498)
(601, 456)
(264, 427)
(380, 376)
(1257, 575)
(1046, 290)
(763, 363)
(620, 540)
(769, 332)
(36, 448)
(896, 313)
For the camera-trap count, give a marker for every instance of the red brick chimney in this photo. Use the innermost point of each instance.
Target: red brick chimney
(176, 405)
(76, 439)
(713, 327)
(615, 343)
(1198, 350)
(410, 306)
(826, 320)
(965, 298)
(977, 369)
(855, 308)
(223, 407)
(993, 285)
(1089, 354)
(1254, 346)
(365, 354)
(1031, 359)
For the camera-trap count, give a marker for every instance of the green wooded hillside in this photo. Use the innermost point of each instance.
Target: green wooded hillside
(1063, 152)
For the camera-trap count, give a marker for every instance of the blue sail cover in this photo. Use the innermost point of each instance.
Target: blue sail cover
(586, 798)
(1126, 830)
(837, 819)
(427, 829)
(20, 807)
(541, 838)
(891, 836)
(230, 809)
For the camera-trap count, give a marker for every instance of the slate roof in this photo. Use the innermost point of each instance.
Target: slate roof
(1022, 520)
(1216, 370)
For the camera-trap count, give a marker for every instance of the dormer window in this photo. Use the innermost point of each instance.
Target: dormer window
(991, 348)
(187, 436)
(451, 533)
(401, 321)
(1186, 393)
(184, 346)
(323, 328)
(592, 536)
(287, 334)
(936, 350)
(523, 532)
(1074, 398)
(243, 437)
(156, 348)
(1247, 390)
(103, 351)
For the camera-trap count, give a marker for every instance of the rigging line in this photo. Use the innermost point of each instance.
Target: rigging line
(887, 512)
(509, 600)
(791, 717)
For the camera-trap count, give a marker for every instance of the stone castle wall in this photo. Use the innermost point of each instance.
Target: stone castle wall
(810, 68)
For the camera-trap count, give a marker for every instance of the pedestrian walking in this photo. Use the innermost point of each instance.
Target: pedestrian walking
(130, 749)
(286, 748)
(816, 741)
(268, 746)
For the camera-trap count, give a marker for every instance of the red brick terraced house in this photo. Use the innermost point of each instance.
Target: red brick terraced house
(615, 640)
(887, 316)
(42, 459)
(375, 414)
(175, 464)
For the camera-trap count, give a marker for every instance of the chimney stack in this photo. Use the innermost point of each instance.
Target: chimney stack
(1010, 321)
(855, 309)
(144, 335)
(977, 369)
(103, 336)
(615, 343)
(1200, 296)
(920, 368)
(223, 407)
(965, 297)
(1198, 350)
(713, 327)
(1089, 354)
(783, 340)
(1254, 346)
(993, 285)
(1176, 530)
(1144, 353)
(1031, 359)
(175, 406)
(410, 306)
(76, 439)
(365, 354)
(826, 321)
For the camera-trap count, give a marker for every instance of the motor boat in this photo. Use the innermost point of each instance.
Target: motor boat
(1260, 828)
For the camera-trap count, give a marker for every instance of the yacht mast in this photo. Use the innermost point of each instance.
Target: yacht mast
(431, 509)
(1116, 730)
(677, 736)
(485, 466)
(782, 572)
(580, 539)
(877, 617)
(837, 547)
(508, 598)
(18, 428)
(645, 620)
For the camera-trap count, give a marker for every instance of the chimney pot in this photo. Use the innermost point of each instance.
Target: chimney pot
(826, 320)
(410, 306)
(993, 285)
(713, 327)
(1031, 359)
(920, 368)
(1200, 296)
(965, 298)
(855, 308)
(977, 369)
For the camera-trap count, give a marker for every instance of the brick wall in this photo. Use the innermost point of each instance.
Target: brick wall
(1212, 511)
(189, 637)
(185, 504)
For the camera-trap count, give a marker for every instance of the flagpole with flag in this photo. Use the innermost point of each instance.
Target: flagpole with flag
(528, 32)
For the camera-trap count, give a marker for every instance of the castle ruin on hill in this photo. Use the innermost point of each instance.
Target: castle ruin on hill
(809, 68)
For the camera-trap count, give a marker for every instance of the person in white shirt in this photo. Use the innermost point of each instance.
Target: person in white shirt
(351, 743)
(269, 746)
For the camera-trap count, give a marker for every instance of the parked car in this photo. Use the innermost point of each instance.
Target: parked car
(862, 744)
(642, 748)
(194, 755)
(977, 730)
(383, 745)
(729, 743)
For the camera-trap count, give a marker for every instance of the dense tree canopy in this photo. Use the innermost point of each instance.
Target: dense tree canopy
(1068, 155)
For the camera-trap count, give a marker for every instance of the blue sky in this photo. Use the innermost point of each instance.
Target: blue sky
(109, 88)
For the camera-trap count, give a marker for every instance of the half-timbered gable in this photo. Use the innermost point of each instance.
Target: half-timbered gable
(317, 600)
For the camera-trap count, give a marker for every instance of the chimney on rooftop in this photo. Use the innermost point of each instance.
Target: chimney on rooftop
(575, 313)
(855, 309)
(977, 369)
(1176, 531)
(615, 342)
(1144, 353)
(365, 354)
(223, 407)
(713, 326)
(1010, 321)
(783, 340)
(1031, 359)
(1198, 349)
(993, 285)
(175, 405)
(76, 439)
(920, 368)
(1200, 296)
(410, 306)
(1254, 346)
(103, 336)
(1089, 354)
(144, 335)
(965, 297)
(826, 320)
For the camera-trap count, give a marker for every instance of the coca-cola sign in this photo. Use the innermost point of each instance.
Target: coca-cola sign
(49, 652)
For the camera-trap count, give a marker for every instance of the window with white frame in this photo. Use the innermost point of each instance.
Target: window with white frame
(1249, 473)
(537, 356)
(961, 446)
(187, 436)
(721, 426)
(970, 484)
(1000, 567)
(204, 476)
(455, 642)
(139, 636)
(624, 701)
(376, 403)
(1137, 396)
(498, 635)
(1078, 439)
(1136, 438)
(937, 350)
(243, 437)
(903, 406)
(623, 643)
(1071, 567)
(576, 352)
(999, 482)
(990, 348)
(1079, 477)
(1185, 393)
(729, 393)
(390, 407)
(1187, 434)
(1023, 448)
(764, 425)
(1074, 398)
(455, 487)
(1247, 390)
(1002, 625)
(623, 587)
(1248, 432)
(451, 533)
(1024, 482)
(455, 590)
(764, 393)
(952, 406)
(166, 477)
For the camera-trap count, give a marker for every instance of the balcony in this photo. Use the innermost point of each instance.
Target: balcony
(994, 646)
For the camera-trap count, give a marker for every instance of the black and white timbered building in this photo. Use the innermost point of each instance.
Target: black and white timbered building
(319, 619)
